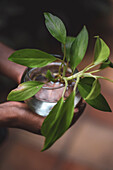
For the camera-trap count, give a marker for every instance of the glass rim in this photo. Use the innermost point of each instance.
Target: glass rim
(29, 70)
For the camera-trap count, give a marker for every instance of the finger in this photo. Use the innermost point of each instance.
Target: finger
(18, 115)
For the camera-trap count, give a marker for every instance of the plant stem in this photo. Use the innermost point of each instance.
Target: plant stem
(90, 66)
(66, 84)
(64, 53)
(104, 78)
(95, 71)
(60, 60)
(63, 62)
(64, 67)
(74, 75)
(87, 74)
(67, 64)
(87, 67)
(64, 70)
(77, 81)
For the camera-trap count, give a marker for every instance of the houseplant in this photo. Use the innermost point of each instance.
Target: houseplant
(86, 80)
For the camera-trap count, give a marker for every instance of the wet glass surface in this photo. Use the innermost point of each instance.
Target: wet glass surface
(43, 101)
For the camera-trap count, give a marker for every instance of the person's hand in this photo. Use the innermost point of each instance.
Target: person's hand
(8, 68)
(17, 114)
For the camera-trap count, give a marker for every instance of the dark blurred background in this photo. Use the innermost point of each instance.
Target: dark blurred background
(22, 22)
(88, 144)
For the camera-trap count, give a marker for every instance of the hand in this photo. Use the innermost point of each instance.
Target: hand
(8, 68)
(17, 114)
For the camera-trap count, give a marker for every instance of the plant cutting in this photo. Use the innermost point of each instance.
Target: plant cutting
(86, 81)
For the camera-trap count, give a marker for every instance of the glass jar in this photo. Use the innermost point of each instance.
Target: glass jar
(42, 102)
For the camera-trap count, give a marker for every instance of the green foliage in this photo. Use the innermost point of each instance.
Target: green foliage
(100, 103)
(31, 58)
(111, 64)
(102, 51)
(56, 27)
(78, 48)
(69, 41)
(85, 88)
(49, 76)
(95, 90)
(25, 91)
(58, 120)
(48, 128)
(74, 50)
(106, 64)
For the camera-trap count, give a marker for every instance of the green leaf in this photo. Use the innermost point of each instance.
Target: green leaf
(25, 91)
(106, 64)
(99, 102)
(111, 65)
(51, 118)
(55, 126)
(101, 52)
(31, 58)
(56, 27)
(78, 48)
(84, 89)
(87, 80)
(95, 90)
(49, 76)
(69, 41)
